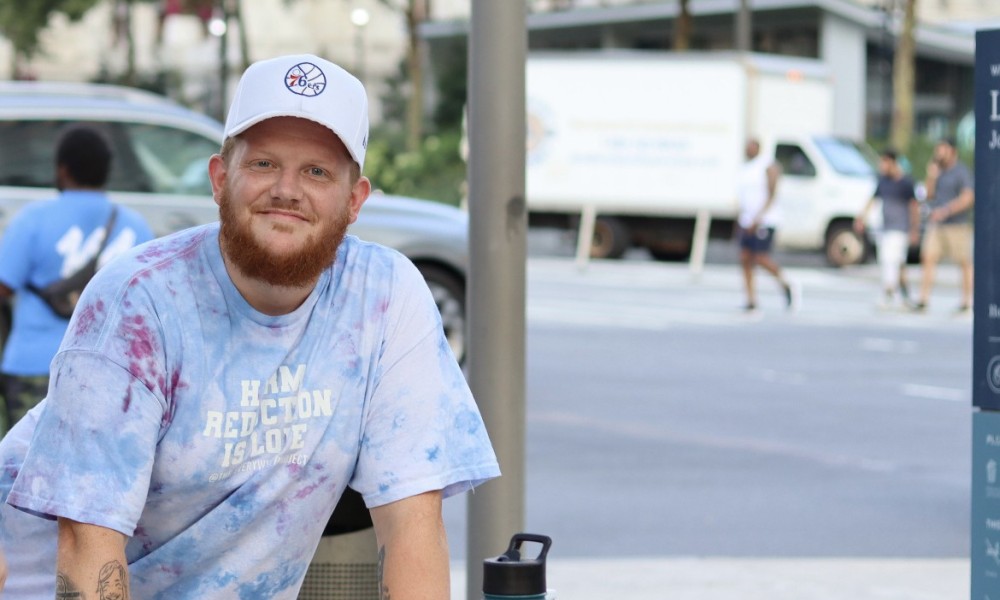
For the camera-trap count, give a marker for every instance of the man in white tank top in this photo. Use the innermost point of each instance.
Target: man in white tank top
(758, 217)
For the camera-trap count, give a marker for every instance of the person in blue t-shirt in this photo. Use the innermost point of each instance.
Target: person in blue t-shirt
(218, 389)
(50, 240)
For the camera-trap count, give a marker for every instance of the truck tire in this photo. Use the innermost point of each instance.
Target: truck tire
(670, 253)
(611, 238)
(844, 246)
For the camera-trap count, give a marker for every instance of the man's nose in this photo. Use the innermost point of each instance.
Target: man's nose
(287, 186)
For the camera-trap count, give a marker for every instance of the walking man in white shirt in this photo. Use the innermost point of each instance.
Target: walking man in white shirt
(757, 221)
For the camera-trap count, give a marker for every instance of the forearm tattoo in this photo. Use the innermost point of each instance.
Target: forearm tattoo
(383, 589)
(112, 584)
(65, 589)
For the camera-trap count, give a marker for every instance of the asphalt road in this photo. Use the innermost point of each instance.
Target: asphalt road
(661, 421)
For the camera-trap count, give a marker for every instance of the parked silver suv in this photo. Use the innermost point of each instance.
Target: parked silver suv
(161, 154)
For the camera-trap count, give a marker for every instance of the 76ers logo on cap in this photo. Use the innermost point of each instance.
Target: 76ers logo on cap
(305, 79)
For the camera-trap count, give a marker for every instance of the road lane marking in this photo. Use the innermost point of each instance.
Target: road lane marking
(935, 392)
(889, 346)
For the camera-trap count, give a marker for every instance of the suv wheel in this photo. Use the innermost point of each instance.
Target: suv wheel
(448, 291)
(844, 246)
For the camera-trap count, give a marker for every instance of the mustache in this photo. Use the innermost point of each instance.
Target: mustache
(289, 206)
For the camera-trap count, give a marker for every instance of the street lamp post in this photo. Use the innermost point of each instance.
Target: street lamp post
(360, 18)
(218, 26)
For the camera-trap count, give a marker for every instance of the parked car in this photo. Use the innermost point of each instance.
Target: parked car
(160, 169)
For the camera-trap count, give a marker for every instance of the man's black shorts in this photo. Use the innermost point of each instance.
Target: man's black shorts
(757, 242)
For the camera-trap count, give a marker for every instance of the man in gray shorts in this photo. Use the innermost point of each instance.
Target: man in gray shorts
(949, 225)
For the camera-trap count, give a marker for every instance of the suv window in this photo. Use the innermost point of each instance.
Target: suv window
(147, 158)
(28, 149)
(793, 161)
(175, 161)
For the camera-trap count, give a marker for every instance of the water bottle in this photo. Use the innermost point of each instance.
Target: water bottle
(511, 577)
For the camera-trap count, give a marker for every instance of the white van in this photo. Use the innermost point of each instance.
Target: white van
(647, 148)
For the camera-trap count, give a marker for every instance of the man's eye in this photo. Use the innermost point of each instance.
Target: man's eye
(262, 164)
(317, 172)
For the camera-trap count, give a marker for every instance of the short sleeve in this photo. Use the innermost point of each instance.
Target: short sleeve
(967, 181)
(422, 429)
(91, 454)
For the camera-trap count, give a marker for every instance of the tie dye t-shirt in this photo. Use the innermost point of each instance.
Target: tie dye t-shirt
(219, 438)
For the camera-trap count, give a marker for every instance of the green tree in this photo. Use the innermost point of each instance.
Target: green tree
(22, 21)
(435, 169)
(414, 12)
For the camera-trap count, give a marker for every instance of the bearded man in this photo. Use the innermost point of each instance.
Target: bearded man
(220, 388)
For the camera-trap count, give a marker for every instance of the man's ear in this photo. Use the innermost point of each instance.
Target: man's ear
(359, 193)
(217, 171)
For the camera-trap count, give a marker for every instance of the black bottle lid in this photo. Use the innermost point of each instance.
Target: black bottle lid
(511, 575)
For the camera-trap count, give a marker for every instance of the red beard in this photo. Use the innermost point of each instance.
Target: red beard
(256, 261)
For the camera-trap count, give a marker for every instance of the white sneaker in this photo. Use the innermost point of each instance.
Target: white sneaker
(887, 301)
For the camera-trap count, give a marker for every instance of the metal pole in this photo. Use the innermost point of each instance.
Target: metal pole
(497, 234)
(744, 27)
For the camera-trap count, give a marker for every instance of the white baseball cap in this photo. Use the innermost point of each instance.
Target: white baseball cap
(304, 86)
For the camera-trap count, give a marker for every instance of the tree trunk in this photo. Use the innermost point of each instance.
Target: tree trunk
(125, 37)
(901, 130)
(683, 26)
(416, 13)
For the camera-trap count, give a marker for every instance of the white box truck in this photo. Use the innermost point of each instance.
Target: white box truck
(646, 148)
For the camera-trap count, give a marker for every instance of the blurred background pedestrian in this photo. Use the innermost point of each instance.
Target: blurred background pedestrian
(49, 241)
(900, 226)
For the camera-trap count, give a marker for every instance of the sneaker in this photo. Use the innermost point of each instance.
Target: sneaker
(886, 301)
(749, 307)
(963, 309)
(793, 296)
(918, 307)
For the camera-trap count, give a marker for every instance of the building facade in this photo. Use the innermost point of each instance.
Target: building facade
(854, 38)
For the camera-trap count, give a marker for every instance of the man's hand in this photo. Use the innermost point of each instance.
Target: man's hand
(939, 214)
(933, 170)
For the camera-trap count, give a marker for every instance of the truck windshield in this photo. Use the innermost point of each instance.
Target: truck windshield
(845, 156)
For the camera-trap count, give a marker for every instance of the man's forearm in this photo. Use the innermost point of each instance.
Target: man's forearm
(90, 564)
(964, 201)
(3, 570)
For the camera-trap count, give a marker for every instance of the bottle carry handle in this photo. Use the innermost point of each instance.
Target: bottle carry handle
(513, 552)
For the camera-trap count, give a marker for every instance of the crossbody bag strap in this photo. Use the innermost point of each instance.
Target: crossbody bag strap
(107, 229)
(108, 226)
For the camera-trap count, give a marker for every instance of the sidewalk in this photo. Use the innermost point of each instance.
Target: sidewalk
(750, 579)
